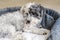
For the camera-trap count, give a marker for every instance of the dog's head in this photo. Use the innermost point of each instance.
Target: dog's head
(35, 15)
(32, 13)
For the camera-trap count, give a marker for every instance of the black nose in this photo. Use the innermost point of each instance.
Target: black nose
(44, 33)
(28, 21)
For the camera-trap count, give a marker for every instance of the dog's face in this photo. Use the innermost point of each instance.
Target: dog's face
(32, 13)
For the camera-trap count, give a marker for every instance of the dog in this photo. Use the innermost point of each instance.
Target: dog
(34, 16)
(39, 20)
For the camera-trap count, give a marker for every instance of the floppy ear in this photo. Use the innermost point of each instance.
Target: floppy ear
(22, 10)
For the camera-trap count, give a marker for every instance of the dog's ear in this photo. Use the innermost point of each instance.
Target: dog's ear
(22, 10)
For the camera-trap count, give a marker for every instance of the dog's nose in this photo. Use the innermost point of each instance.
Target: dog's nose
(44, 33)
(28, 21)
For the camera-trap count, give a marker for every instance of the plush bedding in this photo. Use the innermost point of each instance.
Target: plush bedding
(11, 34)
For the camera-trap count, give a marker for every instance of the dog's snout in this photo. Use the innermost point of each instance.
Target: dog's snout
(28, 21)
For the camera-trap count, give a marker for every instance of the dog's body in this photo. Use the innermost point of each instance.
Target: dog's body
(34, 17)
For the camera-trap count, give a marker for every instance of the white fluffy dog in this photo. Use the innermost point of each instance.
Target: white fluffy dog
(33, 29)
